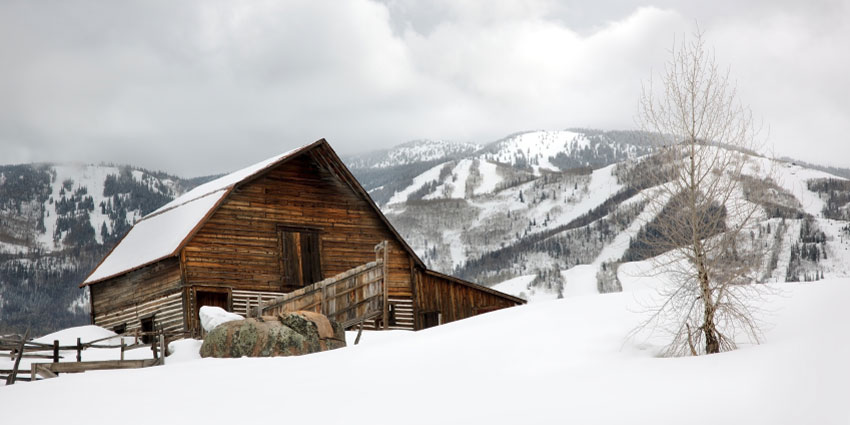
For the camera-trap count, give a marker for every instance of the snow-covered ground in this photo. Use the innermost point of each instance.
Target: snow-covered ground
(519, 287)
(563, 361)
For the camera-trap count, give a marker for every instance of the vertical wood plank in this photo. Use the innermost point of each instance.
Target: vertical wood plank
(10, 380)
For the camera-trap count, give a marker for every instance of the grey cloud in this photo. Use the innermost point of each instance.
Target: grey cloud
(197, 87)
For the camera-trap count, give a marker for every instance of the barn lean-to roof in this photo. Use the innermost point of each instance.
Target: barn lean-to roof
(164, 232)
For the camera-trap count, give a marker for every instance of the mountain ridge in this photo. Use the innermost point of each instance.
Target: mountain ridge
(57, 221)
(526, 214)
(533, 218)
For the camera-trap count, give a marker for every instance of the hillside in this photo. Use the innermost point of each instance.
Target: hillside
(56, 223)
(535, 210)
(533, 213)
(565, 361)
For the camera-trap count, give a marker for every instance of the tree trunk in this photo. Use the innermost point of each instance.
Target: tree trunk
(712, 342)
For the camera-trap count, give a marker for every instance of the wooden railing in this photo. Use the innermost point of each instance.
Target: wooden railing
(348, 298)
(19, 347)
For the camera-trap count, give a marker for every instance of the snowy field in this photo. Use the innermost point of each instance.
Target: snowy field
(562, 361)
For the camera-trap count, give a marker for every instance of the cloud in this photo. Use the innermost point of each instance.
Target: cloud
(790, 70)
(197, 87)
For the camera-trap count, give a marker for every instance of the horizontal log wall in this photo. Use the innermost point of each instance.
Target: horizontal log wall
(168, 311)
(403, 311)
(128, 297)
(243, 299)
(404, 317)
(454, 301)
(238, 246)
(138, 286)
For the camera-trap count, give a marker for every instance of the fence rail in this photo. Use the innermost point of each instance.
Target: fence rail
(19, 346)
(348, 298)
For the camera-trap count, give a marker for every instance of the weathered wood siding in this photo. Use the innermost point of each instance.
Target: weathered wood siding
(242, 300)
(152, 289)
(239, 246)
(167, 311)
(453, 300)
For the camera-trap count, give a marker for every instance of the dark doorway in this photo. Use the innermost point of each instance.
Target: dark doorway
(147, 327)
(430, 319)
(210, 298)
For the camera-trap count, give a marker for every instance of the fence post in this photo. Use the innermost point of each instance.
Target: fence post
(79, 350)
(162, 349)
(122, 348)
(323, 308)
(11, 378)
(359, 333)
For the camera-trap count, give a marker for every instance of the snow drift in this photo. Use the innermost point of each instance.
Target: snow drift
(563, 361)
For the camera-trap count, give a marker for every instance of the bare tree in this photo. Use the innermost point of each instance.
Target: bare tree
(705, 142)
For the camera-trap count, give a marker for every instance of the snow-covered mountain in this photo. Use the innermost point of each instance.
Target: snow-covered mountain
(535, 211)
(56, 222)
(425, 150)
(64, 206)
(398, 175)
(538, 214)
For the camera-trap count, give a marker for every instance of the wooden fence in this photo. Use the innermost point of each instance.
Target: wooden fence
(349, 298)
(19, 347)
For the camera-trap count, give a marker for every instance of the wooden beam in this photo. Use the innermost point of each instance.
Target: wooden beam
(386, 301)
(11, 379)
(75, 367)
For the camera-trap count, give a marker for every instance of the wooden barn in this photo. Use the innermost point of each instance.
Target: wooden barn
(286, 225)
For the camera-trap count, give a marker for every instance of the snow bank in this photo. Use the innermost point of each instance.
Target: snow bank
(183, 350)
(69, 336)
(214, 316)
(564, 361)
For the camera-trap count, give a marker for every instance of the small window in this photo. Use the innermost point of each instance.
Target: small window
(300, 259)
(120, 329)
(431, 319)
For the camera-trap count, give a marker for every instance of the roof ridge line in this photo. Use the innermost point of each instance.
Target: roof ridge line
(157, 212)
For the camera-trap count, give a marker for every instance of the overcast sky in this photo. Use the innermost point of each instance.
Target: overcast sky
(200, 87)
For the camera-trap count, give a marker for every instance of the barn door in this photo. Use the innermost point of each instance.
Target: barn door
(300, 258)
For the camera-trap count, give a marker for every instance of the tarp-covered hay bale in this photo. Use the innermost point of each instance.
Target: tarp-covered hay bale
(288, 334)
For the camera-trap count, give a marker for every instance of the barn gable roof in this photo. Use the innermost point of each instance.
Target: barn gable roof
(164, 232)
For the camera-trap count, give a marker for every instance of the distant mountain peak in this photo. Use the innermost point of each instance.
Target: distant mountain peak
(414, 151)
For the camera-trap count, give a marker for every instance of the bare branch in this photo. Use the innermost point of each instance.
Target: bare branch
(705, 140)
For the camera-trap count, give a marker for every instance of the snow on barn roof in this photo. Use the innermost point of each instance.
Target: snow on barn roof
(162, 233)
(225, 182)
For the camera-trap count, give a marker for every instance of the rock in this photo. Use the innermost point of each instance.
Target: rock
(288, 334)
(214, 316)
